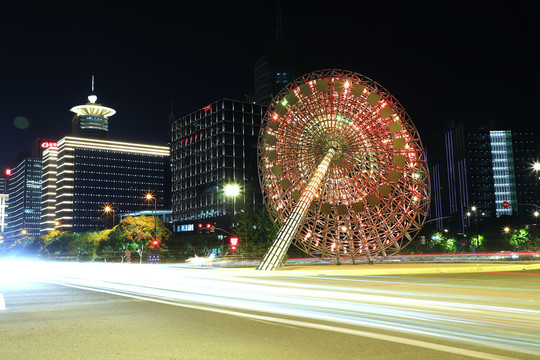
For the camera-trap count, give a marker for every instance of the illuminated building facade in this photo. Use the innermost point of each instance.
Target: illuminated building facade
(25, 199)
(25, 191)
(211, 148)
(3, 202)
(474, 165)
(81, 175)
(3, 214)
(91, 120)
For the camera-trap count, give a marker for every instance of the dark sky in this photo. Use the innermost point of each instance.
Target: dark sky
(440, 61)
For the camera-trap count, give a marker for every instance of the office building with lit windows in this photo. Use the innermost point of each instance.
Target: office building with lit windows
(4, 202)
(82, 175)
(24, 199)
(474, 165)
(211, 148)
(25, 191)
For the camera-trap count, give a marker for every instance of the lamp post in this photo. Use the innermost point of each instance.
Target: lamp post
(149, 197)
(232, 190)
(107, 209)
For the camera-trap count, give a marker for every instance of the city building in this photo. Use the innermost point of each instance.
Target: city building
(81, 176)
(24, 199)
(25, 191)
(274, 70)
(478, 170)
(212, 148)
(3, 202)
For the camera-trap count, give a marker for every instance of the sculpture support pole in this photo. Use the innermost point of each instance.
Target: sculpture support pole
(275, 255)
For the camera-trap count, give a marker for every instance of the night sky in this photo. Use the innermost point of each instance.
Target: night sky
(441, 62)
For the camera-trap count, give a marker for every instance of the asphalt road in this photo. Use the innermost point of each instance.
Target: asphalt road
(113, 311)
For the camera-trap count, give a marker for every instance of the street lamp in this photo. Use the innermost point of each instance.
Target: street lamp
(232, 190)
(149, 196)
(107, 209)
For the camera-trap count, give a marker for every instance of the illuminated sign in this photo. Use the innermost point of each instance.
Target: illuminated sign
(186, 227)
(48, 144)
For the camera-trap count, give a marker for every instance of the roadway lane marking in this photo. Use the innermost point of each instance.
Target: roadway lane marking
(290, 322)
(512, 273)
(2, 302)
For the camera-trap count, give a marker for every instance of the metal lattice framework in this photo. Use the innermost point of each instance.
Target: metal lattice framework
(342, 169)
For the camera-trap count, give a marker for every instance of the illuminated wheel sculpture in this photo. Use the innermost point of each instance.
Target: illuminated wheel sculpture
(342, 169)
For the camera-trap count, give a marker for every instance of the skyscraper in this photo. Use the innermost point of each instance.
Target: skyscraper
(476, 166)
(25, 191)
(210, 149)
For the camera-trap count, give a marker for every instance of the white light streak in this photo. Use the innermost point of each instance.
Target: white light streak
(476, 316)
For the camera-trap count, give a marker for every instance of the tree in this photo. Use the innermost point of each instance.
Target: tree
(136, 233)
(519, 238)
(255, 229)
(440, 242)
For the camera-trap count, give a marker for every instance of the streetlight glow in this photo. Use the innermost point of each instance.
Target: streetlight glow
(536, 166)
(232, 190)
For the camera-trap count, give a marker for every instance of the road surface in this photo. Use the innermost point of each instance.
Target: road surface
(129, 311)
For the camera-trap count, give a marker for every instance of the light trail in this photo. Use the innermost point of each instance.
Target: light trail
(502, 320)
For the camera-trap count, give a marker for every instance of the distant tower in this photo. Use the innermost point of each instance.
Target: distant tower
(91, 120)
(279, 66)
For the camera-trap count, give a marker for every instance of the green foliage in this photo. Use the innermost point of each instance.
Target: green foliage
(439, 242)
(477, 241)
(255, 229)
(134, 232)
(202, 244)
(519, 238)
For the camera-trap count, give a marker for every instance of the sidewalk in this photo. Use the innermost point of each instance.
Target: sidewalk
(409, 268)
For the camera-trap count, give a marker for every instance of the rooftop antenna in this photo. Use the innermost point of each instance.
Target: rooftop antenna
(92, 98)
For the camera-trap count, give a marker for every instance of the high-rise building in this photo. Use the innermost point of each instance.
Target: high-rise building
(25, 199)
(274, 70)
(3, 214)
(475, 167)
(211, 148)
(25, 191)
(3, 202)
(82, 175)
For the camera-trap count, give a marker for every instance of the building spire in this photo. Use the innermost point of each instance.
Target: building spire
(92, 98)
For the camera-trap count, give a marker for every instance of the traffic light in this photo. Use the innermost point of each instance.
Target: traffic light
(233, 240)
(155, 243)
(208, 227)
